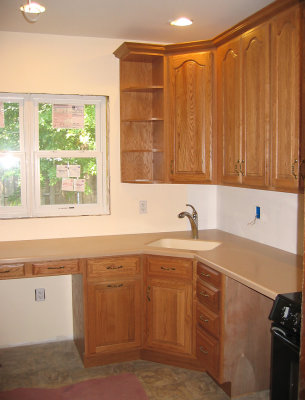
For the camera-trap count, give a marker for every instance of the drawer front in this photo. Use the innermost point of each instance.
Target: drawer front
(208, 320)
(207, 351)
(63, 267)
(170, 267)
(209, 275)
(208, 296)
(113, 266)
(12, 271)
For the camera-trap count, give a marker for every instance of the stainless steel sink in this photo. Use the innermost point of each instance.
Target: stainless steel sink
(185, 244)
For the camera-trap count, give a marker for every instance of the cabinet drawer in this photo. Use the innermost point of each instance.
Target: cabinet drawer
(207, 351)
(113, 266)
(11, 271)
(56, 267)
(208, 296)
(170, 267)
(209, 275)
(208, 320)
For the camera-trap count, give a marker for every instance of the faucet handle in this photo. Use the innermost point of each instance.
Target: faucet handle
(193, 208)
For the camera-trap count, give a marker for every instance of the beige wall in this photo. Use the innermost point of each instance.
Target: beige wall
(32, 63)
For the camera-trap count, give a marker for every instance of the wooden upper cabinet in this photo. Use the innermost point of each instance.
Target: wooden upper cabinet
(190, 117)
(229, 111)
(286, 76)
(255, 107)
(243, 109)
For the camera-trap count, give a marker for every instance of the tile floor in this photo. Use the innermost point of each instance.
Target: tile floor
(56, 364)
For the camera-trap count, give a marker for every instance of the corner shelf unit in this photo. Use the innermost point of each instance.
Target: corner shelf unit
(142, 113)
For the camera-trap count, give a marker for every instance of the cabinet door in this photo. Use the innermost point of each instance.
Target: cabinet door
(169, 316)
(190, 122)
(229, 111)
(114, 315)
(285, 69)
(255, 105)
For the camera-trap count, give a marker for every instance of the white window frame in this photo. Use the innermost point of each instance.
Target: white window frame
(30, 156)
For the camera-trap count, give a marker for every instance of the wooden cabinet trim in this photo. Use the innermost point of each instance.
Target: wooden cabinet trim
(12, 271)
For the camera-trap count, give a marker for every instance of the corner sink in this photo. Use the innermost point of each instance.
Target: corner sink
(185, 244)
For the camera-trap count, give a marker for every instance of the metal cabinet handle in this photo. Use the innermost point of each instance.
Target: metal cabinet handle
(114, 267)
(236, 170)
(202, 318)
(168, 268)
(241, 167)
(5, 272)
(205, 275)
(293, 167)
(61, 267)
(115, 286)
(148, 293)
(203, 350)
(204, 294)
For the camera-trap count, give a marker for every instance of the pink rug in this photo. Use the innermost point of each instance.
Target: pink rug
(117, 387)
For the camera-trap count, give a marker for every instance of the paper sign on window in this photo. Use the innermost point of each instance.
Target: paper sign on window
(62, 171)
(74, 171)
(79, 185)
(1, 114)
(67, 184)
(67, 116)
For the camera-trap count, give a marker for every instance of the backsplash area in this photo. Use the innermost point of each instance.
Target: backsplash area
(233, 210)
(281, 221)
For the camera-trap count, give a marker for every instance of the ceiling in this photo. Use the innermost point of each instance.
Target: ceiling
(140, 20)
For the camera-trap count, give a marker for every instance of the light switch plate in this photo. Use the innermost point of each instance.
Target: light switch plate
(40, 294)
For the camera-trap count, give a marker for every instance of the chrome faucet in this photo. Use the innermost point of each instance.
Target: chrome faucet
(193, 218)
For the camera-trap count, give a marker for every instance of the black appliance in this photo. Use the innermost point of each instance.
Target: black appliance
(285, 346)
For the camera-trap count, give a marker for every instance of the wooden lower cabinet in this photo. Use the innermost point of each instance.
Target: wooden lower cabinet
(233, 333)
(114, 310)
(170, 311)
(169, 315)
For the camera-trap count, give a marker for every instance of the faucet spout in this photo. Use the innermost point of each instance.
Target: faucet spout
(193, 218)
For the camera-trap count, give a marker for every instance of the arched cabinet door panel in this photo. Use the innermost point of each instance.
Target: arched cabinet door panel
(190, 117)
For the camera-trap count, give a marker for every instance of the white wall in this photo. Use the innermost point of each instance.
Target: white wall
(281, 222)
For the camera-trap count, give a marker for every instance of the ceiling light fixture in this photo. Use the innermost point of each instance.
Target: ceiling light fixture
(32, 11)
(183, 21)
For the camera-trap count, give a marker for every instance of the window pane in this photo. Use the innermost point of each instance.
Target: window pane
(9, 126)
(10, 183)
(54, 133)
(68, 181)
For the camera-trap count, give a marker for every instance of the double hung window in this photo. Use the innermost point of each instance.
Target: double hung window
(53, 155)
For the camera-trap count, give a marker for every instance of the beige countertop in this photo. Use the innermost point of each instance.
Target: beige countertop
(268, 270)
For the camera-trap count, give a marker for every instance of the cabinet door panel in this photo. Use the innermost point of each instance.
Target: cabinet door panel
(285, 67)
(169, 316)
(256, 95)
(114, 315)
(229, 111)
(191, 119)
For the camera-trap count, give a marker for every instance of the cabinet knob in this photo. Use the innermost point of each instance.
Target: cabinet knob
(203, 350)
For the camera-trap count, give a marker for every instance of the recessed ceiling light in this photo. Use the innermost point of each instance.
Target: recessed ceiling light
(183, 21)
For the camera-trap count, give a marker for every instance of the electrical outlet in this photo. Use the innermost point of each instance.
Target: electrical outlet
(40, 294)
(143, 207)
(258, 212)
